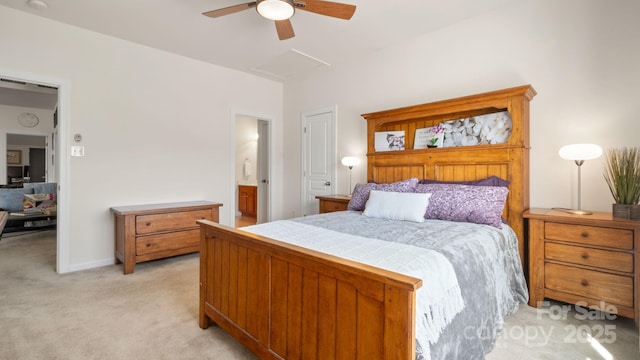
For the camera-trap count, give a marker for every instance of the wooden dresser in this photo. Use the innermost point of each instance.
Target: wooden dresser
(331, 203)
(156, 231)
(589, 260)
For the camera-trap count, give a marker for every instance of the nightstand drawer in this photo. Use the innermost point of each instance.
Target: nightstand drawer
(589, 235)
(616, 289)
(331, 206)
(604, 259)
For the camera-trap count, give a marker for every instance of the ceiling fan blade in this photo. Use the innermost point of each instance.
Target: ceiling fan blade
(229, 10)
(328, 8)
(284, 29)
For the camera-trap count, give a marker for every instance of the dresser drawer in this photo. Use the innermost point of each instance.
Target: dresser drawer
(146, 224)
(331, 206)
(616, 289)
(604, 259)
(166, 242)
(589, 235)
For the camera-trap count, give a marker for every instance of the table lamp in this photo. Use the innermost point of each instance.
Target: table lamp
(350, 162)
(579, 153)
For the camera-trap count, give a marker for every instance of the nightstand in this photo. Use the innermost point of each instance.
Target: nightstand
(331, 203)
(589, 260)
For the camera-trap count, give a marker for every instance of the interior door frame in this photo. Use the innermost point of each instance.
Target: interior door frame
(233, 198)
(63, 243)
(263, 173)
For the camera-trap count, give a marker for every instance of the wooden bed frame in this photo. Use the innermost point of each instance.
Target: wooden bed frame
(286, 302)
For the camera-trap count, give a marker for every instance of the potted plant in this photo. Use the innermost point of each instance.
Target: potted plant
(622, 174)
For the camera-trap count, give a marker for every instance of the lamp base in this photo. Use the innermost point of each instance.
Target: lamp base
(573, 211)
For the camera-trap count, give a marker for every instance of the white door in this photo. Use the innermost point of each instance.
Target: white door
(319, 157)
(263, 171)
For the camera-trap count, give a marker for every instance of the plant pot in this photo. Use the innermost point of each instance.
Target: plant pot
(626, 211)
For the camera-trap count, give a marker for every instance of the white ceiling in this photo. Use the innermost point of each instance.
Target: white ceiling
(247, 42)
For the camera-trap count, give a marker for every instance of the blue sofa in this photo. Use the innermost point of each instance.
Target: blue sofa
(11, 198)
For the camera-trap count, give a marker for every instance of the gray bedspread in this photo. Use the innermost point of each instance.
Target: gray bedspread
(486, 262)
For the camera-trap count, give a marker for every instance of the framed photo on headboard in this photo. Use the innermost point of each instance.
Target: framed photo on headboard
(14, 157)
(389, 140)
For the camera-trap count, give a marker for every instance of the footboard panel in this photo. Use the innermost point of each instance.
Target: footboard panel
(286, 302)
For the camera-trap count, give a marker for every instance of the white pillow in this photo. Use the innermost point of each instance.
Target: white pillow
(397, 205)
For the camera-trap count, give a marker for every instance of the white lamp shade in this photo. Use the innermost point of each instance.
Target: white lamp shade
(580, 152)
(275, 9)
(350, 161)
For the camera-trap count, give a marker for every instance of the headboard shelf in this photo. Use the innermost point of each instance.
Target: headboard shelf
(509, 160)
(514, 100)
(436, 118)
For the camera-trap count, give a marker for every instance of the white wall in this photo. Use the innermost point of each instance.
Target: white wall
(156, 127)
(581, 56)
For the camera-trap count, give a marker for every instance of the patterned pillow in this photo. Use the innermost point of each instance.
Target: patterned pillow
(38, 201)
(361, 191)
(490, 181)
(465, 203)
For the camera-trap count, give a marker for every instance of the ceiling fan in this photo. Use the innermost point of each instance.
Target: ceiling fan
(281, 11)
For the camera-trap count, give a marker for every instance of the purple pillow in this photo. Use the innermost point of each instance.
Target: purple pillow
(490, 181)
(465, 203)
(361, 191)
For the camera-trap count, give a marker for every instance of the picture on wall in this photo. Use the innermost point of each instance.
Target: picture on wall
(429, 137)
(389, 140)
(14, 157)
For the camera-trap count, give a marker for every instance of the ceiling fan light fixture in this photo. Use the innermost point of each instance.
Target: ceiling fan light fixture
(275, 9)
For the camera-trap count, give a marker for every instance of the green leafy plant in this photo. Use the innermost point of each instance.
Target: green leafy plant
(622, 174)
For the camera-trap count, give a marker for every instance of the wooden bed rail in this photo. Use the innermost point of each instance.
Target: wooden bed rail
(285, 302)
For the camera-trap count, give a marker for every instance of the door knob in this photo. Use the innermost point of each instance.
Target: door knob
(328, 183)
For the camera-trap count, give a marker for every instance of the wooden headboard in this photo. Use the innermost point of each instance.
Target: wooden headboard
(509, 161)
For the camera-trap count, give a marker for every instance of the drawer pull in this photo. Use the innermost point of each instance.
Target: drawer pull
(148, 244)
(584, 283)
(148, 224)
(584, 234)
(585, 256)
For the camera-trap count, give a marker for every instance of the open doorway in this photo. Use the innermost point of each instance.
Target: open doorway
(17, 90)
(251, 170)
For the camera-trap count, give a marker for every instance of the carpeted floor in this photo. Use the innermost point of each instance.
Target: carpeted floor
(153, 314)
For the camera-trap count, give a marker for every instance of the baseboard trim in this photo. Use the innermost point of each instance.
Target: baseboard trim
(92, 264)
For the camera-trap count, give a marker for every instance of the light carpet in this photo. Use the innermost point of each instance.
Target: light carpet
(153, 314)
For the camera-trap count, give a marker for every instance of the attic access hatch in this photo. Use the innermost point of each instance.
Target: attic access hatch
(290, 63)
